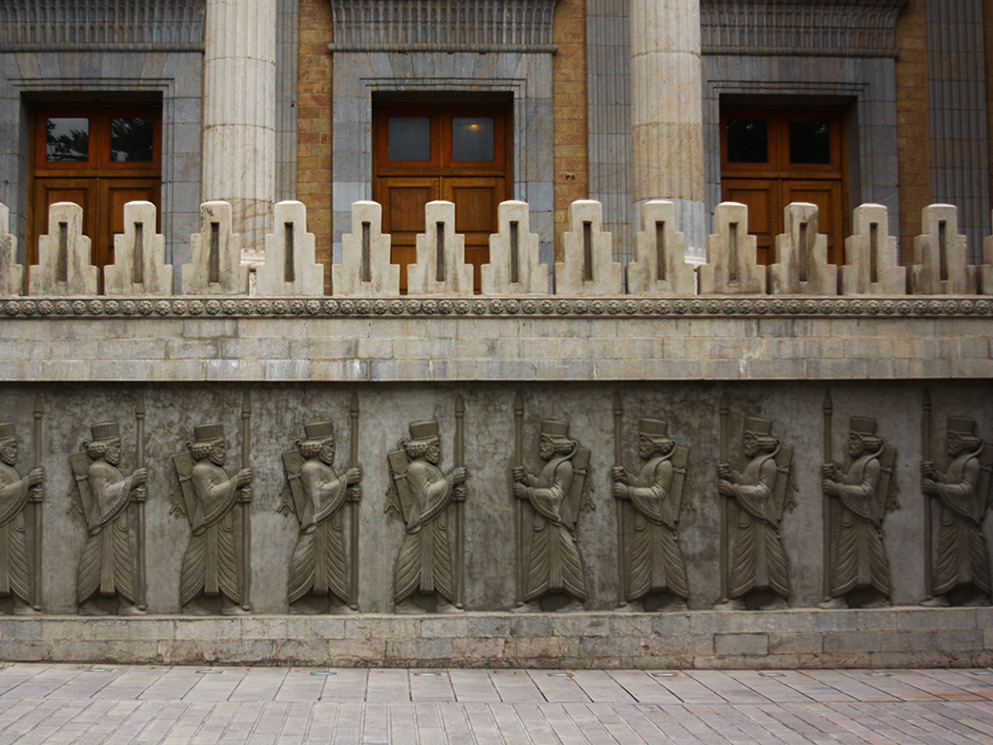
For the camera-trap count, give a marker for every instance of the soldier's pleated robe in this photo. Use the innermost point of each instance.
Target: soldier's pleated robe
(554, 564)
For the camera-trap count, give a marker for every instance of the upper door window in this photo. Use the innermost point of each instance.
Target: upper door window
(772, 156)
(99, 156)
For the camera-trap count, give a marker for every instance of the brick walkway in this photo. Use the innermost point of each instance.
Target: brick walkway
(61, 704)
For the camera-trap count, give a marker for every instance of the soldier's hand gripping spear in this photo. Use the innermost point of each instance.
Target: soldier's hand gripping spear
(619, 474)
(459, 496)
(827, 472)
(519, 506)
(35, 479)
(140, 497)
(354, 494)
(723, 472)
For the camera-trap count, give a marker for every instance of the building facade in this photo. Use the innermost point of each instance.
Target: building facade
(679, 307)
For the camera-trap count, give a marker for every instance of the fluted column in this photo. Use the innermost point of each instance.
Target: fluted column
(239, 141)
(667, 109)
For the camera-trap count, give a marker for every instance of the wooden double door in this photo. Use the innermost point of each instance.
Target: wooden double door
(771, 157)
(99, 156)
(455, 152)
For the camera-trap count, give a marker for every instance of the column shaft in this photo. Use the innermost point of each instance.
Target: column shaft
(667, 109)
(239, 141)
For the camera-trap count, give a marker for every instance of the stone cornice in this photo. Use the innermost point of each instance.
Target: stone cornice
(855, 28)
(75, 25)
(456, 25)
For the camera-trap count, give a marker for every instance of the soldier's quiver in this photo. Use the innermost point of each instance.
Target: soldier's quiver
(784, 490)
(579, 491)
(673, 504)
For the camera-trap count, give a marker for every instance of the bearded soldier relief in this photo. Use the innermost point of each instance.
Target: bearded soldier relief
(758, 575)
(216, 506)
(108, 569)
(319, 578)
(860, 497)
(963, 492)
(16, 570)
(651, 558)
(425, 497)
(552, 566)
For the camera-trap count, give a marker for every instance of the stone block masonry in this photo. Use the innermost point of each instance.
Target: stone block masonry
(700, 640)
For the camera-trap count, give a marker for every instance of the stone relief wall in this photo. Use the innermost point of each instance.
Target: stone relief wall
(581, 530)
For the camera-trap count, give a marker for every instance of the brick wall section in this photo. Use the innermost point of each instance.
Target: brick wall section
(572, 179)
(314, 149)
(913, 131)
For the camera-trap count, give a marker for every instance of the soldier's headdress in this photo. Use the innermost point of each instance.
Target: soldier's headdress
(653, 427)
(318, 430)
(209, 432)
(424, 430)
(554, 428)
(6, 431)
(104, 431)
(863, 425)
(758, 426)
(961, 425)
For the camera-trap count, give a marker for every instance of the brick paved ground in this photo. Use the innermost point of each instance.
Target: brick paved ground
(61, 704)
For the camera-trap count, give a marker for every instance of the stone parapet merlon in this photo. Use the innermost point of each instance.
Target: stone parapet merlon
(223, 265)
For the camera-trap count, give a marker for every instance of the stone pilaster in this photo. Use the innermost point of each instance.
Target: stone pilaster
(239, 141)
(666, 109)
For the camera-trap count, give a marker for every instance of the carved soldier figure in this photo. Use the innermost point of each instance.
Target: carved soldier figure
(962, 568)
(553, 565)
(317, 494)
(860, 573)
(15, 493)
(761, 493)
(108, 567)
(422, 493)
(212, 564)
(651, 554)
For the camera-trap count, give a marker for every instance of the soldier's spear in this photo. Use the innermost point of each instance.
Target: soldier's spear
(39, 413)
(926, 455)
(723, 410)
(139, 414)
(459, 505)
(353, 462)
(519, 506)
(246, 525)
(622, 595)
(826, 528)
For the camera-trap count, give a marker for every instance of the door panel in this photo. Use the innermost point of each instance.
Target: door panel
(476, 201)
(121, 162)
(51, 190)
(764, 210)
(827, 196)
(476, 188)
(805, 162)
(403, 199)
(115, 193)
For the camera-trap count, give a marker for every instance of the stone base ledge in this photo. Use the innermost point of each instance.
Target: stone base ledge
(894, 637)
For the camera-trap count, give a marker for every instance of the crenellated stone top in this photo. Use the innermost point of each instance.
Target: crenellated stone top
(223, 266)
